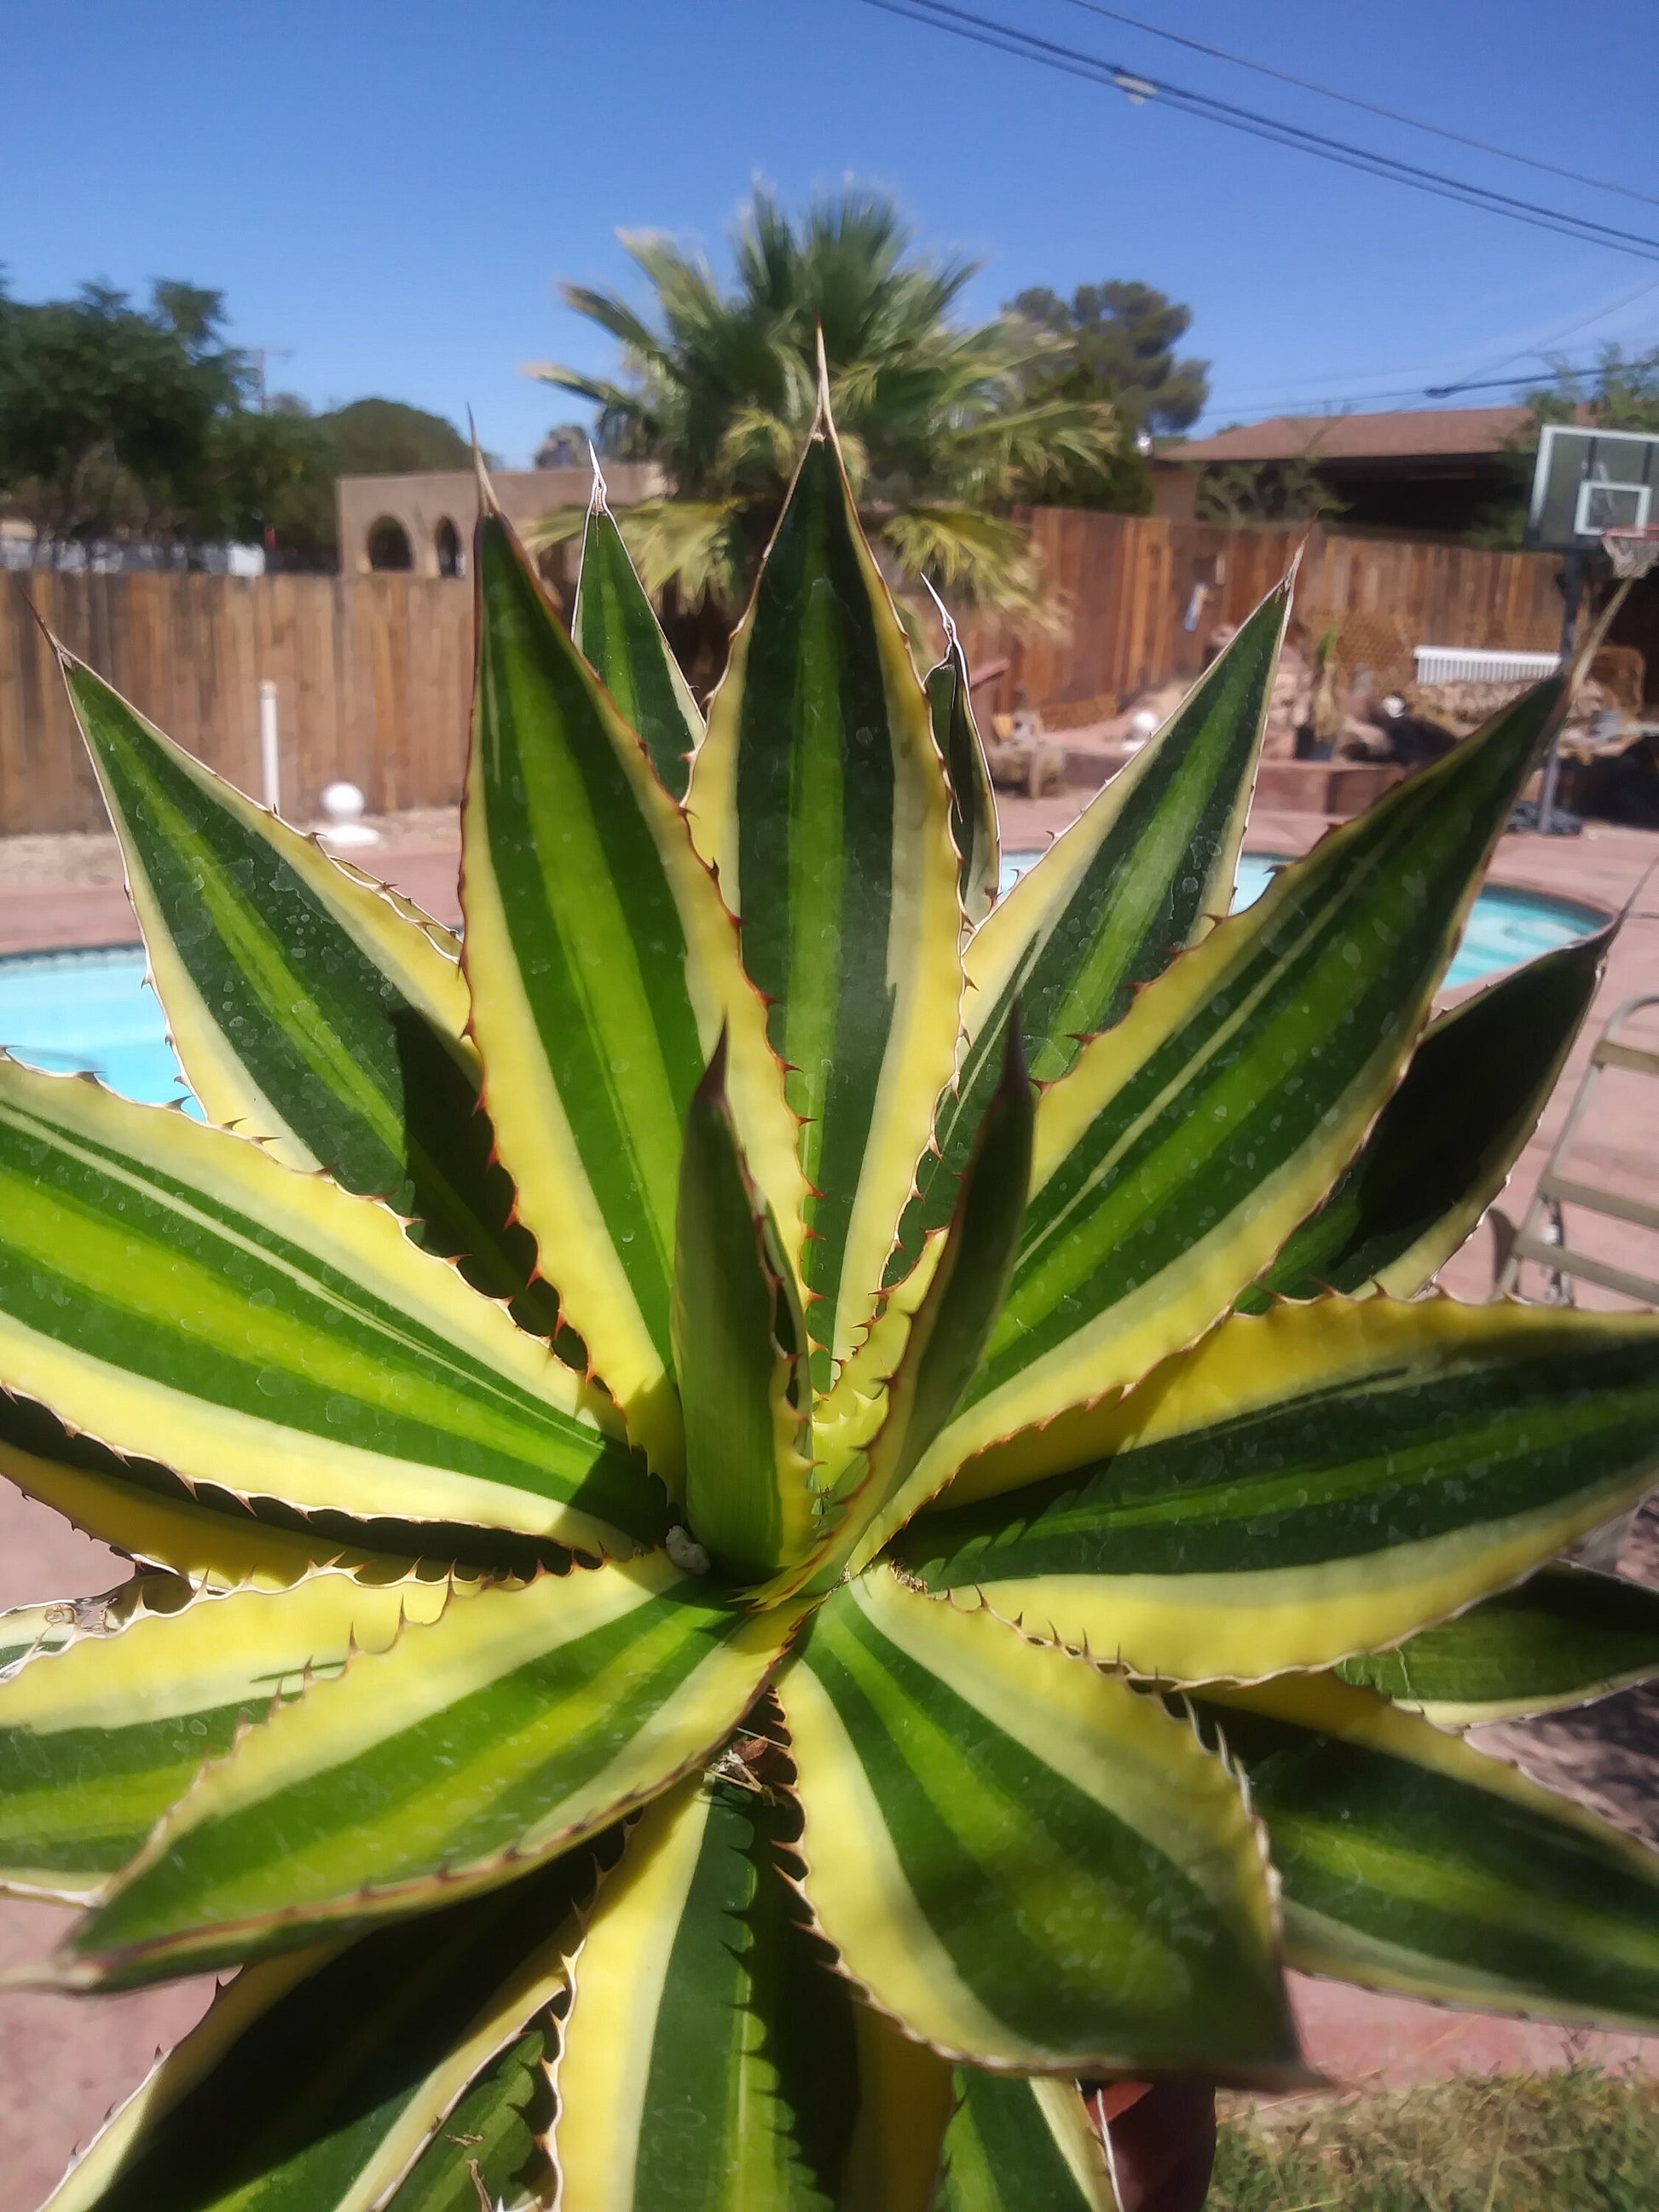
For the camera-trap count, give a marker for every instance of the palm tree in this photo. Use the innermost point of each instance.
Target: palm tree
(720, 390)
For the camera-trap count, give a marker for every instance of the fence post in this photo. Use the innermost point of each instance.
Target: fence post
(269, 773)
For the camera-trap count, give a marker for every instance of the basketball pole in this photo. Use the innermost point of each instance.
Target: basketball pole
(1570, 584)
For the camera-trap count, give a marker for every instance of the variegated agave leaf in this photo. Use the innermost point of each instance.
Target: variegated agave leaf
(1413, 1863)
(1564, 1638)
(713, 1756)
(267, 2102)
(1446, 1140)
(820, 797)
(616, 626)
(1146, 868)
(309, 1007)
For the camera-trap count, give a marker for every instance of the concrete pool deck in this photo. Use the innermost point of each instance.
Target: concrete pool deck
(63, 2062)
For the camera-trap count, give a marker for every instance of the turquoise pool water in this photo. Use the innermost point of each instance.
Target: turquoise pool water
(69, 1011)
(1505, 926)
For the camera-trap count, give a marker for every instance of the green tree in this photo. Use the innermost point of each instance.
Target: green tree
(1620, 393)
(387, 438)
(277, 471)
(1237, 492)
(1116, 345)
(271, 481)
(120, 423)
(1122, 338)
(108, 412)
(941, 429)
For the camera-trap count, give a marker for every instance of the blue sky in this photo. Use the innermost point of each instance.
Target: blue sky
(391, 191)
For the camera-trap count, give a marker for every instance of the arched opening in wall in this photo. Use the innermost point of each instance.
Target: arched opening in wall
(447, 540)
(388, 544)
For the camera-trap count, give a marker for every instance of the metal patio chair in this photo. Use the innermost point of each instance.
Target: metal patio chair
(1541, 1235)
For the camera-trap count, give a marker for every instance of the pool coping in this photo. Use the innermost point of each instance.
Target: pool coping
(70, 917)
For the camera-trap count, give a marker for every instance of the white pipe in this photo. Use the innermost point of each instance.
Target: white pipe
(269, 775)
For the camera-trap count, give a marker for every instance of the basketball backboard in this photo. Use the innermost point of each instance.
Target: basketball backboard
(1588, 481)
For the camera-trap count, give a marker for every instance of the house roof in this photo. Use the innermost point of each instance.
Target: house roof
(1437, 433)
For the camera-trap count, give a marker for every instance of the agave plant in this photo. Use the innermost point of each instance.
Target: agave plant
(760, 1492)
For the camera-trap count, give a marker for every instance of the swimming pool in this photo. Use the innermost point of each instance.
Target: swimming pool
(1505, 927)
(69, 1011)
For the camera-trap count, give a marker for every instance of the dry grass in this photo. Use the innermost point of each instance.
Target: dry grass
(1576, 2141)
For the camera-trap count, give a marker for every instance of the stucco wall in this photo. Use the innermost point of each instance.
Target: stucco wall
(421, 504)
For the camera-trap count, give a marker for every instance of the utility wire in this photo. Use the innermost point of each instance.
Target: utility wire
(1473, 380)
(1315, 408)
(1072, 61)
(1366, 107)
(1529, 377)
(1553, 338)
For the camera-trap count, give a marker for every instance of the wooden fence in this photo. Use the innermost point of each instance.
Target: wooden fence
(373, 674)
(372, 677)
(1142, 593)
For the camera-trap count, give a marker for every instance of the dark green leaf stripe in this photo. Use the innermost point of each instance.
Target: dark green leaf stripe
(1141, 873)
(973, 802)
(1021, 2146)
(622, 640)
(710, 2062)
(1446, 1140)
(1564, 1638)
(98, 1740)
(740, 1354)
(173, 1290)
(1411, 1862)
(1241, 1083)
(314, 2083)
(518, 1723)
(1012, 1862)
(820, 796)
(1311, 1484)
(306, 1006)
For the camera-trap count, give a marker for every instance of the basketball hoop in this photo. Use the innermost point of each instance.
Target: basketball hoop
(1632, 552)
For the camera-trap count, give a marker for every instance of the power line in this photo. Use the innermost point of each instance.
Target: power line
(1508, 383)
(1476, 379)
(1311, 408)
(1554, 337)
(1321, 381)
(1366, 107)
(1072, 61)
